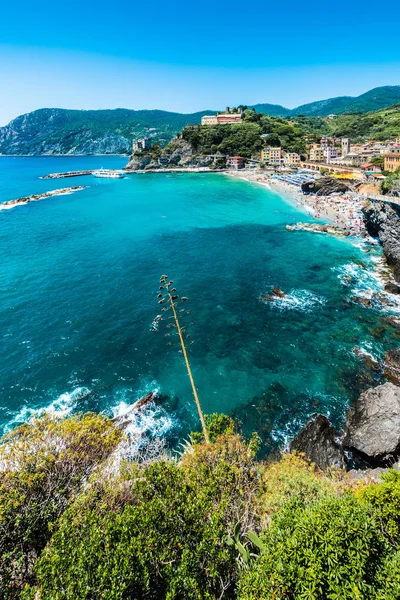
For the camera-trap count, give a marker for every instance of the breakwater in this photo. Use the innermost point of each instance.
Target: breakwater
(26, 199)
(68, 174)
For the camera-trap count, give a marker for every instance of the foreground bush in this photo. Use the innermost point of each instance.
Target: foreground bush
(155, 532)
(41, 466)
(330, 549)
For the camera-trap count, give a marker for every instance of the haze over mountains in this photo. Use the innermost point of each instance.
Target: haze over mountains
(50, 131)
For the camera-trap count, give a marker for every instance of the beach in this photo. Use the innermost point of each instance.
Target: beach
(342, 210)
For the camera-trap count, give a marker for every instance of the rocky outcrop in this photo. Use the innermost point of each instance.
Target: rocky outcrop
(318, 441)
(372, 431)
(324, 186)
(382, 220)
(180, 154)
(391, 366)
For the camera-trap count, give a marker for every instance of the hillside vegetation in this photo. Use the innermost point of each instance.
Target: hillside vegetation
(372, 100)
(60, 131)
(79, 523)
(381, 125)
(245, 138)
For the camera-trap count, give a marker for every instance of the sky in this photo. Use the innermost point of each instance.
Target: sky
(185, 57)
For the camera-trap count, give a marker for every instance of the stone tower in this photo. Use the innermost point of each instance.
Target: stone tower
(345, 146)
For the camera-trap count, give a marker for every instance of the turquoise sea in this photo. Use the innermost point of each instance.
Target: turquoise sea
(79, 277)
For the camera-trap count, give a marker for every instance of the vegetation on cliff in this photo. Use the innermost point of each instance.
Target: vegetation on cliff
(214, 522)
(245, 138)
(380, 125)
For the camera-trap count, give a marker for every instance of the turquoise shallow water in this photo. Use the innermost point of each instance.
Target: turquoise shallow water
(78, 282)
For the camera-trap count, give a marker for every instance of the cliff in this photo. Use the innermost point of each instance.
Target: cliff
(178, 154)
(382, 220)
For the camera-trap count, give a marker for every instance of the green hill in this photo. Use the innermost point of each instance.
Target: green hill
(62, 131)
(381, 125)
(380, 97)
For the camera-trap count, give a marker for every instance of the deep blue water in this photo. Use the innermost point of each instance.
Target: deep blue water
(78, 282)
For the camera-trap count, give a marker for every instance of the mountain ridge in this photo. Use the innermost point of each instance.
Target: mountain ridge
(53, 131)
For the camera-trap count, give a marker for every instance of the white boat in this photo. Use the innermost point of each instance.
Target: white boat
(108, 173)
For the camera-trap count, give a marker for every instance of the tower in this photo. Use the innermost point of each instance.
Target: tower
(345, 146)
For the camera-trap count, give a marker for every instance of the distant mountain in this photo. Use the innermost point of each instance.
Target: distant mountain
(380, 97)
(61, 131)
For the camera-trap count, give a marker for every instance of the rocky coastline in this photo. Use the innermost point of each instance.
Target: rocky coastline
(382, 220)
(26, 199)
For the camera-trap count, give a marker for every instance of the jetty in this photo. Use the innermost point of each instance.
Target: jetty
(318, 228)
(26, 199)
(68, 174)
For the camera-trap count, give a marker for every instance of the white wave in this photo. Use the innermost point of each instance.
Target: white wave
(61, 407)
(301, 300)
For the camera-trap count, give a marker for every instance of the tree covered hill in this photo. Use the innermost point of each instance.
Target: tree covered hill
(62, 131)
(380, 125)
(380, 97)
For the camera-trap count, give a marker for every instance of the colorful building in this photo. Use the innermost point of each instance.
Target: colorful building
(272, 156)
(392, 161)
(235, 162)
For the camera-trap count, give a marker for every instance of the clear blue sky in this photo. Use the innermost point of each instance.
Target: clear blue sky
(186, 57)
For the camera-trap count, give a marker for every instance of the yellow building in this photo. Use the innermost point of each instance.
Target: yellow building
(317, 154)
(209, 120)
(291, 159)
(392, 161)
(272, 156)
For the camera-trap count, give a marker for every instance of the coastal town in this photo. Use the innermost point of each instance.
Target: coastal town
(330, 177)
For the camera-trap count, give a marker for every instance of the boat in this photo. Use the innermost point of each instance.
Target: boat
(108, 174)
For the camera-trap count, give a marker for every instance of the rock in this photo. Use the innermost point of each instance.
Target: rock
(372, 431)
(180, 154)
(392, 288)
(318, 441)
(391, 366)
(122, 421)
(363, 301)
(367, 359)
(382, 220)
(324, 186)
(277, 292)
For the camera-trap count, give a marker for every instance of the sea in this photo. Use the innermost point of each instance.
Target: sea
(79, 285)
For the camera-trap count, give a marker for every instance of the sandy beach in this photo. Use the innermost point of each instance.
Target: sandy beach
(342, 210)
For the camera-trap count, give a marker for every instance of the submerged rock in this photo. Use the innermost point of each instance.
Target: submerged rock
(372, 431)
(275, 293)
(122, 421)
(318, 441)
(392, 365)
(392, 288)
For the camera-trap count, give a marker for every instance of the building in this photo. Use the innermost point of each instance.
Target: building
(272, 156)
(227, 117)
(209, 120)
(235, 162)
(329, 153)
(345, 146)
(317, 153)
(371, 168)
(392, 160)
(291, 159)
(141, 145)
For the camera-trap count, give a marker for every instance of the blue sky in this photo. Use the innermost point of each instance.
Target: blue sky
(186, 57)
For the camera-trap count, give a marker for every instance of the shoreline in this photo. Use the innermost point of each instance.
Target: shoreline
(342, 210)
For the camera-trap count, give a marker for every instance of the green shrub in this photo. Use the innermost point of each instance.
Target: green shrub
(43, 464)
(331, 549)
(155, 532)
(384, 498)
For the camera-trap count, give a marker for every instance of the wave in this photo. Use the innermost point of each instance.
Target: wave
(300, 300)
(148, 424)
(61, 407)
